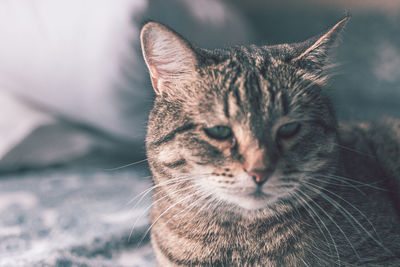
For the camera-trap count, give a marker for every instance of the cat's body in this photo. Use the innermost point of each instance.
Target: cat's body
(251, 167)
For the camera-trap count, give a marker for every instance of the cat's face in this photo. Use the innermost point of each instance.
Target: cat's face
(243, 126)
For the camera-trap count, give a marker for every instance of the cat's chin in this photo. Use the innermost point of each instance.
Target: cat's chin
(252, 201)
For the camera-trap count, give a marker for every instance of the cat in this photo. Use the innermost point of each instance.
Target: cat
(251, 166)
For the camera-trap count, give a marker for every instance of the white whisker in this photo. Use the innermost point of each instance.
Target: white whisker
(153, 203)
(355, 151)
(167, 182)
(357, 221)
(346, 183)
(339, 178)
(127, 165)
(334, 222)
(322, 222)
(164, 212)
(190, 207)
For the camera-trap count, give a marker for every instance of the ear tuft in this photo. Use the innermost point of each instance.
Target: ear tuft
(317, 49)
(169, 58)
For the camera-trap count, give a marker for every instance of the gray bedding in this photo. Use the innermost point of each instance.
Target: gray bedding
(74, 218)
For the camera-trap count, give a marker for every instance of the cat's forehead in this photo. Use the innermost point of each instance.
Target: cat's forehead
(252, 76)
(252, 57)
(252, 87)
(243, 96)
(270, 64)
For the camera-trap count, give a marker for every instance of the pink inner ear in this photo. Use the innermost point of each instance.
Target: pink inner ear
(154, 79)
(171, 68)
(154, 82)
(161, 72)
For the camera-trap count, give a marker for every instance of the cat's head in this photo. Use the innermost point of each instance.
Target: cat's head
(245, 126)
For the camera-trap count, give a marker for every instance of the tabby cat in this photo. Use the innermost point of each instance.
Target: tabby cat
(251, 167)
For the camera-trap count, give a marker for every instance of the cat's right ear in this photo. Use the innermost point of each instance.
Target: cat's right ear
(169, 58)
(315, 51)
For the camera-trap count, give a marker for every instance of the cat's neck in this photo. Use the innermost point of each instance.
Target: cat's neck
(207, 233)
(227, 224)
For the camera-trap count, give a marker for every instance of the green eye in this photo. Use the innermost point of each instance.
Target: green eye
(219, 132)
(289, 130)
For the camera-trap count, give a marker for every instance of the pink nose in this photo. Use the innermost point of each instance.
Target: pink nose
(259, 176)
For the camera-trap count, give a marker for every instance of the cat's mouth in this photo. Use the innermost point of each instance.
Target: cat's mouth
(253, 199)
(259, 194)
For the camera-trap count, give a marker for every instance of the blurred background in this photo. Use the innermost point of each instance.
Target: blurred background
(75, 95)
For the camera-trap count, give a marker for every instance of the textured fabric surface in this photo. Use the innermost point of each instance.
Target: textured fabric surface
(71, 218)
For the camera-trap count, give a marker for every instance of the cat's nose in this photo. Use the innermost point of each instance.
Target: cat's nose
(259, 176)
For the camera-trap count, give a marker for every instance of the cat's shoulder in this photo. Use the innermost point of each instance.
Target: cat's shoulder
(381, 135)
(379, 139)
(384, 137)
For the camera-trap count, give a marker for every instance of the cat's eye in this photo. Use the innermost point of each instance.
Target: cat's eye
(289, 130)
(219, 132)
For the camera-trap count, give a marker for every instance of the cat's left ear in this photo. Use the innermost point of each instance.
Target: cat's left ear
(315, 51)
(170, 59)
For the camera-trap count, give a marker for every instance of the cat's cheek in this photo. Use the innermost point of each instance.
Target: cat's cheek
(168, 153)
(286, 145)
(177, 161)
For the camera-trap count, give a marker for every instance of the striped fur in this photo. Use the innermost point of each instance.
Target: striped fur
(326, 200)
